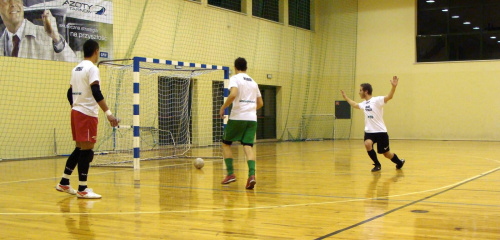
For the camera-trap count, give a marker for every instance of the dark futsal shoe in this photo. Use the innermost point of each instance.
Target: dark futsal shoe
(400, 165)
(376, 168)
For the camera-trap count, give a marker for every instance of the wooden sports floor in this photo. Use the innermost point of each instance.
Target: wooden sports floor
(305, 190)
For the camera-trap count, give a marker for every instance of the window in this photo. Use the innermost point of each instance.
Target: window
(234, 5)
(458, 30)
(299, 12)
(268, 9)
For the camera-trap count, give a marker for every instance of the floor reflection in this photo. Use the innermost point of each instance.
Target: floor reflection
(78, 225)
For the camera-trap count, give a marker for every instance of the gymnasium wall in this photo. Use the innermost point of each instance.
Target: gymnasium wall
(308, 67)
(437, 101)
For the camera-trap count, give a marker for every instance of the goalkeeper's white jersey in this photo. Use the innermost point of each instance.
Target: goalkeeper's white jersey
(82, 76)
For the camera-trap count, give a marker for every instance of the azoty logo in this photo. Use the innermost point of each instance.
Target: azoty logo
(101, 11)
(85, 7)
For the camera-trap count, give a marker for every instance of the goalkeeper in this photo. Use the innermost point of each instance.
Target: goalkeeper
(85, 97)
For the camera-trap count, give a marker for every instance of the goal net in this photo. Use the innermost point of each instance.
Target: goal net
(317, 127)
(167, 109)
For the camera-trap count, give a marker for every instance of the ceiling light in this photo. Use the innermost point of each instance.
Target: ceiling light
(430, 1)
(445, 10)
(493, 37)
(466, 23)
(455, 16)
(476, 28)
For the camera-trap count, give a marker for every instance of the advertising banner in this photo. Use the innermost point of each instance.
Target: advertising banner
(55, 29)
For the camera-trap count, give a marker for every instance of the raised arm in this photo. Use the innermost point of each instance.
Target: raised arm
(350, 101)
(394, 83)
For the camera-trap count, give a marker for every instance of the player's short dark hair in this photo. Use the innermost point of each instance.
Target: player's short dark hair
(240, 64)
(367, 88)
(89, 48)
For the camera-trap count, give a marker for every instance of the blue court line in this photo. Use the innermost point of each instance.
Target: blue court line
(404, 206)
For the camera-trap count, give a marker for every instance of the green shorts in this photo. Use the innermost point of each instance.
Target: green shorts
(239, 130)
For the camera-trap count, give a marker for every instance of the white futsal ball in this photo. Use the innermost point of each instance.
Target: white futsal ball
(199, 163)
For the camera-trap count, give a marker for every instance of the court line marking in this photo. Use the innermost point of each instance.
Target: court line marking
(477, 190)
(149, 168)
(93, 174)
(237, 209)
(181, 164)
(409, 204)
(446, 188)
(464, 204)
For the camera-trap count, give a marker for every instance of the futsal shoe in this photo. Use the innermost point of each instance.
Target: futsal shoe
(66, 189)
(229, 179)
(376, 168)
(251, 182)
(88, 193)
(400, 165)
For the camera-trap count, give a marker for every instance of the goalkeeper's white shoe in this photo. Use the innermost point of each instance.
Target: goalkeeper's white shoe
(87, 193)
(66, 189)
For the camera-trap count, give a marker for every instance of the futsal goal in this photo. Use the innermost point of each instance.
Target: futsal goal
(167, 109)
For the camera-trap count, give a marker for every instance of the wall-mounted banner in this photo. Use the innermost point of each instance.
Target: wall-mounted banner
(55, 29)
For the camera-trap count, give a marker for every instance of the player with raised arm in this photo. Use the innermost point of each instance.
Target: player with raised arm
(375, 129)
(242, 125)
(85, 98)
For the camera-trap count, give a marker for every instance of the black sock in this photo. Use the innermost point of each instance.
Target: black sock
(83, 167)
(81, 188)
(395, 159)
(373, 156)
(64, 181)
(70, 165)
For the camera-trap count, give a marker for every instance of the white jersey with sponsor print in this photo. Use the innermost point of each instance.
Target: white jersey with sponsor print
(245, 103)
(374, 113)
(81, 77)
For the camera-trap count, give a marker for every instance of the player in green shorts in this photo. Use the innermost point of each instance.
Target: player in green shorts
(242, 125)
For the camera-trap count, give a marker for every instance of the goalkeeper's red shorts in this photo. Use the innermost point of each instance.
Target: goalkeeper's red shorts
(83, 127)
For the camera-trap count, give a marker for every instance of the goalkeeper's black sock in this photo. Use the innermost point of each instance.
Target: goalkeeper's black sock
(70, 166)
(83, 168)
(81, 188)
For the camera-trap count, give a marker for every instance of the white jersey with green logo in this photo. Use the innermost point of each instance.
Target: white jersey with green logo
(374, 114)
(245, 103)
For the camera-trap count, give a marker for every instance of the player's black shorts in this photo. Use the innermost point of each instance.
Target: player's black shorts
(381, 139)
